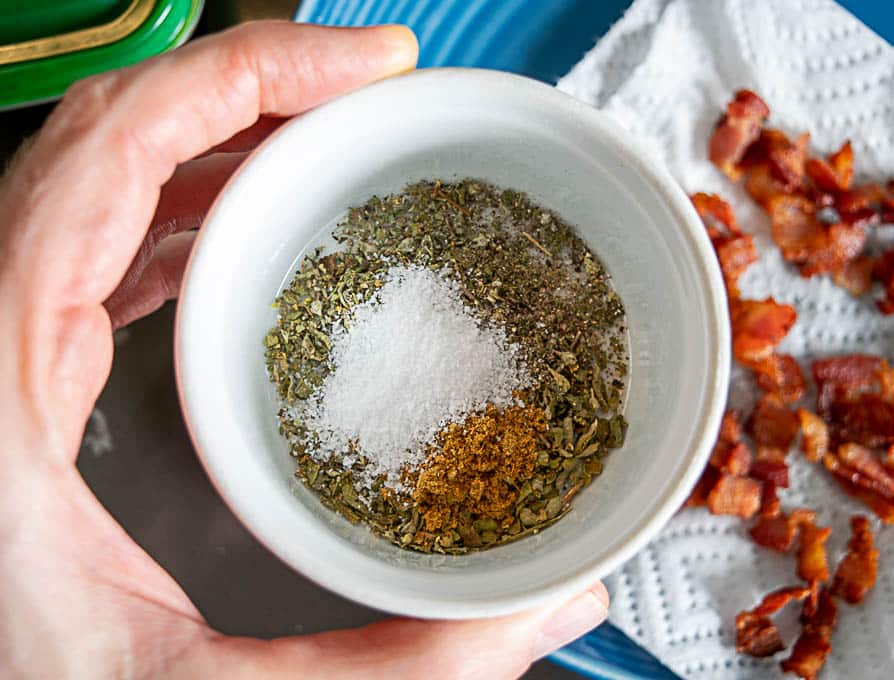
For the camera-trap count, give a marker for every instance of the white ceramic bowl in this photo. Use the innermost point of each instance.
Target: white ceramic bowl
(513, 132)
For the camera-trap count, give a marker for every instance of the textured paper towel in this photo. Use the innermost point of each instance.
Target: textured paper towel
(665, 72)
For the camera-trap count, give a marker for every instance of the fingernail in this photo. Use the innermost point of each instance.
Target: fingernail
(584, 612)
(403, 47)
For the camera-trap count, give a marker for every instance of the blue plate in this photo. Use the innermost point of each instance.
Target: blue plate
(542, 39)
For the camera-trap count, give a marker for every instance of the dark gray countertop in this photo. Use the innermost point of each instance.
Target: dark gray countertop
(138, 459)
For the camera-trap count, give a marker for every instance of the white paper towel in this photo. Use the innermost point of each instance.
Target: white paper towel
(665, 72)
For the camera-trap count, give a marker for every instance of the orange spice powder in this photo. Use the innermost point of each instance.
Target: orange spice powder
(472, 470)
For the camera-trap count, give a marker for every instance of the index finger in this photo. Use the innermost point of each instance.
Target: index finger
(85, 194)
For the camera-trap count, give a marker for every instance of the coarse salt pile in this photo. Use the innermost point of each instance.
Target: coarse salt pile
(412, 360)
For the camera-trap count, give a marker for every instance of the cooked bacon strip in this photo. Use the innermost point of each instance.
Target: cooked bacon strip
(862, 474)
(763, 186)
(867, 419)
(836, 377)
(802, 238)
(813, 645)
(883, 508)
(814, 435)
(813, 565)
(738, 129)
(717, 214)
(848, 369)
(777, 599)
(795, 227)
(758, 326)
(735, 254)
(770, 471)
(730, 427)
(698, 498)
(839, 244)
(772, 424)
(862, 204)
(869, 466)
(756, 635)
(857, 570)
(779, 533)
(834, 174)
(781, 375)
(786, 159)
(731, 454)
(734, 459)
(856, 275)
(734, 495)
(735, 250)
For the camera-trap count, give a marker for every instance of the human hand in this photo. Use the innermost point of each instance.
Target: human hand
(95, 233)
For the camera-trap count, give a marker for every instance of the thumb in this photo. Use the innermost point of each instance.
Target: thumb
(406, 648)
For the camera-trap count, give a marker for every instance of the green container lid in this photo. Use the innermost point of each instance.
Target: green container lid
(46, 45)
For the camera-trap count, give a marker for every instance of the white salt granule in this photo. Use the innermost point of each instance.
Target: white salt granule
(412, 360)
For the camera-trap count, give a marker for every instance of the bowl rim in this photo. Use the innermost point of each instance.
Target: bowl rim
(394, 599)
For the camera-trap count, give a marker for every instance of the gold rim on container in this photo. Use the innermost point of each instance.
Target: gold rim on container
(120, 27)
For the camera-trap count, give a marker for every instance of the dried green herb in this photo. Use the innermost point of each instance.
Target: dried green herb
(519, 266)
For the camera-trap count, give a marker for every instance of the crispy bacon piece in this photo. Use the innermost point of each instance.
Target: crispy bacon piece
(735, 254)
(699, 496)
(730, 427)
(735, 250)
(862, 474)
(862, 204)
(763, 186)
(884, 273)
(857, 570)
(867, 419)
(717, 214)
(758, 326)
(839, 244)
(867, 465)
(781, 375)
(779, 532)
(731, 454)
(837, 377)
(848, 369)
(756, 635)
(813, 645)
(803, 239)
(731, 457)
(735, 495)
(835, 173)
(770, 471)
(813, 565)
(814, 435)
(883, 508)
(795, 227)
(772, 424)
(734, 459)
(786, 159)
(738, 129)
(856, 275)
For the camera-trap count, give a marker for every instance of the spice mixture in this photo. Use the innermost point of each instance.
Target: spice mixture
(454, 374)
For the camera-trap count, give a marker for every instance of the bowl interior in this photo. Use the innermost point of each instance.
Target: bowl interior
(453, 124)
